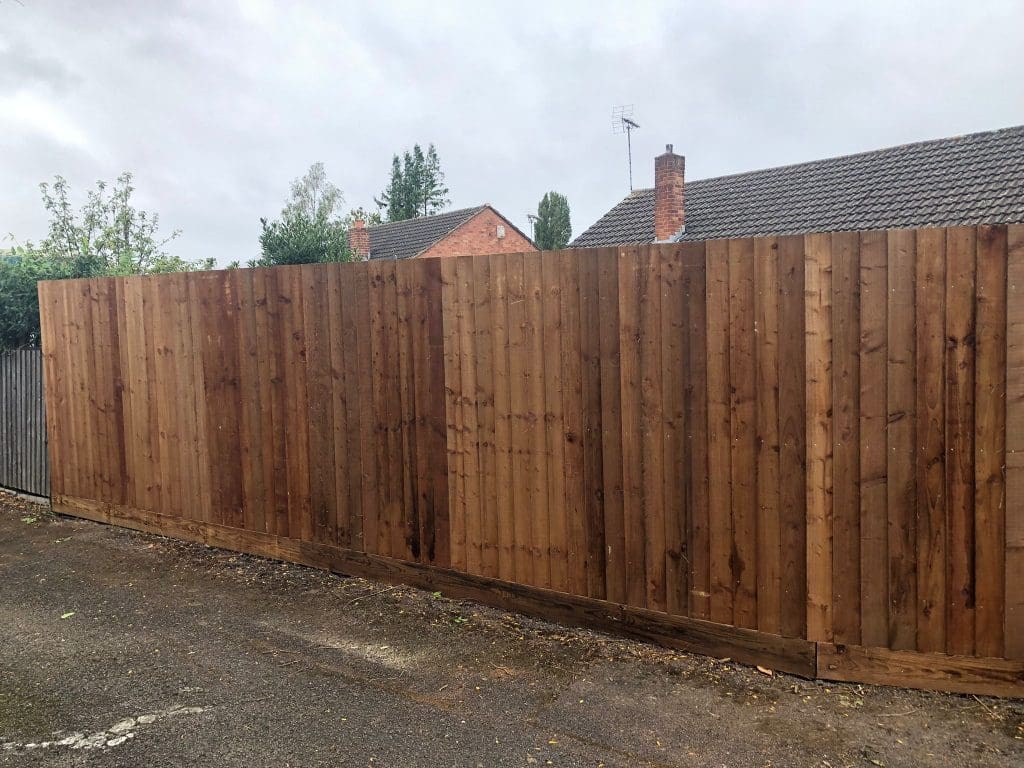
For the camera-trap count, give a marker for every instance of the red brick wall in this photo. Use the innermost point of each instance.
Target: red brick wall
(359, 240)
(669, 210)
(479, 236)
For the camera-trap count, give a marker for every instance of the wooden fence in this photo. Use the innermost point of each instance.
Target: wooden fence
(804, 451)
(23, 455)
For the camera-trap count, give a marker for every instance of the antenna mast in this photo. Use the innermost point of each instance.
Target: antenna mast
(623, 122)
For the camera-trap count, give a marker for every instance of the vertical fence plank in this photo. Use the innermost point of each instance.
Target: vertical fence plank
(719, 437)
(554, 421)
(743, 425)
(1013, 622)
(590, 327)
(507, 553)
(163, 390)
(818, 324)
(438, 546)
(345, 475)
(295, 337)
(483, 350)
(767, 384)
(901, 443)
(272, 398)
(990, 441)
(363, 288)
(524, 497)
(406, 534)
(874, 535)
(533, 419)
(846, 437)
(930, 301)
(51, 328)
(631, 399)
(675, 445)
(319, 404)
(91, 480)
(572, 386)
(106, 357)
(467, 403)
(174, 316)
(611, 426)
(132, 329)
(652, 428)
(792, 438)
(960, 282)
(257, 493)
(695, 388)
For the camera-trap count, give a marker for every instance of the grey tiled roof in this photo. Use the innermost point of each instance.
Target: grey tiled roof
(405, 239)
(973, 179)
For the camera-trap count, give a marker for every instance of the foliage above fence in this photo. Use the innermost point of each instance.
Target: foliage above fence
(799, 442)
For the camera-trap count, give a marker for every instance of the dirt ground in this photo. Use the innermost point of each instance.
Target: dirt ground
(124, 649)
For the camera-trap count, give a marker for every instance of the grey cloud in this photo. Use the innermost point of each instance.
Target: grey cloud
(216, 107)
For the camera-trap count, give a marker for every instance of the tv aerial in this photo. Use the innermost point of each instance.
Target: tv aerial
(533, 219)
(623, 122)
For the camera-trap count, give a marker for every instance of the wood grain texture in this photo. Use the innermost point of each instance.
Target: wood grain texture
(1013, 622)
(631, 274)
(901, 442)
(960, 341)
(672, 340)
(695, 389)
(766, 384)
(719, 435)
(818, 335)
(846, 407)
(930, 309)
(816, 438)
(873, 415)
(611, 425)
(930, 671)
(743, 431)
(792, 439)
(990, 441)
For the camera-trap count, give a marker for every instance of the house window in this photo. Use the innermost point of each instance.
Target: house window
(501, 231)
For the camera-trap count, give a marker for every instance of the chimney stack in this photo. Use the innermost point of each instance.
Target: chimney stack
(359, 239)
(669, 214)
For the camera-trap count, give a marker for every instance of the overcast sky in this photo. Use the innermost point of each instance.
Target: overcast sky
(216, 106)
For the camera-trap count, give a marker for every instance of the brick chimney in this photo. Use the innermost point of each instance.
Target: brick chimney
(669, 214)
(359, 239)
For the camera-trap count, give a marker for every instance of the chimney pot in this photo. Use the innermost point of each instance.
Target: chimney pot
(669, 183)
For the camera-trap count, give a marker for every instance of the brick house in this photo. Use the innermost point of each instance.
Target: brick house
(466, 232)
(973, 179)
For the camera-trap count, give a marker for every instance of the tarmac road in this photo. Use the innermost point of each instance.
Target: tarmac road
(123, 649)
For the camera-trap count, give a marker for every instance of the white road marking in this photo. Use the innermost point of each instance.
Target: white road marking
(114, 736)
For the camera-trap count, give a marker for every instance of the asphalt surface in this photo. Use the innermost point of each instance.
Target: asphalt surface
(123, 649)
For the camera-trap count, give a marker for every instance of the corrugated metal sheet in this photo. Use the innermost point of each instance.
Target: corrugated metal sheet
(24, 464)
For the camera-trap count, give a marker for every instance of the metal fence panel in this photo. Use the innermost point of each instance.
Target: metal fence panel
(24, 464)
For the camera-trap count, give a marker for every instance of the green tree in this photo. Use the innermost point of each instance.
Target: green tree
(309, 229)
(108, 235)
(415, 187)
(553, 228)
(433, 192)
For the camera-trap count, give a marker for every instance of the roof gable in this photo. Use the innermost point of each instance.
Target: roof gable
(972, 179)
(405, 239)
